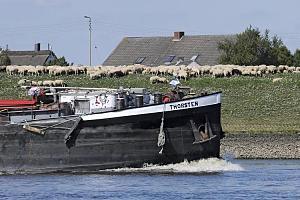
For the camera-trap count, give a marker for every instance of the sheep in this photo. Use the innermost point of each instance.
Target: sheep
(291, 69)
(195, 71)
(227, 72)
(58, 71)
(276, 80)
(180, 71)
(22, 70)
(82, 69)
(162, 80)
(217, 73)
(33, 71)
(137, 68)
(146, 70)
(48, 83)
(157, 79)
(40, 83)
(12, 69)
(182, 74)
(59, 83)
(154, 70)
(40, 69)
(154, 79)
(94, 76)
(23, 82)
(34, 83)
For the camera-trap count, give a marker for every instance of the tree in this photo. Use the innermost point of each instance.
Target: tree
(296, 58)
(281, 54)
(252, 48)
(4, 59)
(59, 61)
(242, 51)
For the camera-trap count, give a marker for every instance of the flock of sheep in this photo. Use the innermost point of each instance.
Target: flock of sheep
(39, 70)
(185, 72)
(181, 71)
(47, 83)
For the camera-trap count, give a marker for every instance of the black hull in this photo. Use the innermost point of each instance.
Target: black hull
(112, 143)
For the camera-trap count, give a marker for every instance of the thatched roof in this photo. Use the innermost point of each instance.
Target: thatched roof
(30, 57)
(155, 51)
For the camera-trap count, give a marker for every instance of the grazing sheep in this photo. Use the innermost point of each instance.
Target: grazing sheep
(40, 83)
(58, 83)
(48, 83)
(33, 71)
(157, 79)
(40, 69)
(217, 73)
(23, 82)
(162, 80)
(276, 80)
(34, 83)
(154, 79)
(12, 69)
(182, 74)
(22, 70)
(94, 76)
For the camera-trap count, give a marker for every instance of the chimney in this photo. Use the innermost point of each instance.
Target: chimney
(178, 35)
(37, 47)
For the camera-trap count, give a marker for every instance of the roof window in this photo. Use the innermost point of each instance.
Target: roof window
(139, 60)
(194, 58)
(169, 58)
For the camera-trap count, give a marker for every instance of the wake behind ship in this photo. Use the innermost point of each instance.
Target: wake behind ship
(114, 135)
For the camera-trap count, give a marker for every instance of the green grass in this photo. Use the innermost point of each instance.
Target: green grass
(249, 104)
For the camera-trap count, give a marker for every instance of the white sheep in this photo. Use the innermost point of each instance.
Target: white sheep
(48, 83)
(276, 80)
(34, 83)
(12, 69)
(154, 79)
(182, 74)
(157, 79)
(162, 80)
(23, 82)
(59, 83)
(216, 73)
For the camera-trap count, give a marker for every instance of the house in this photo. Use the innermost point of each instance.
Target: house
(178, 49)
(34, 58)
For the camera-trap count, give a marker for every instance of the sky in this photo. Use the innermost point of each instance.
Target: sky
(61, 23)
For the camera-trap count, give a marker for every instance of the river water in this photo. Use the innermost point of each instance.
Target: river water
(203, 179)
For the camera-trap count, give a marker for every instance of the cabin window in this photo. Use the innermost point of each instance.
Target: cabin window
(139, 60)
(82, 106)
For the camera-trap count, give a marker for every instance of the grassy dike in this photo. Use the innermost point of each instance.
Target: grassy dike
(249, 104)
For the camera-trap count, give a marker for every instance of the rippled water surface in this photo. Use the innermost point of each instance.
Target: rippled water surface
(203, 179)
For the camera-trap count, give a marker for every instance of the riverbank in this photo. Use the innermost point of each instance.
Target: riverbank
(261, 146)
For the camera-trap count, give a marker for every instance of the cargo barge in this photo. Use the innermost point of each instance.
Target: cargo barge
(100, 129)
